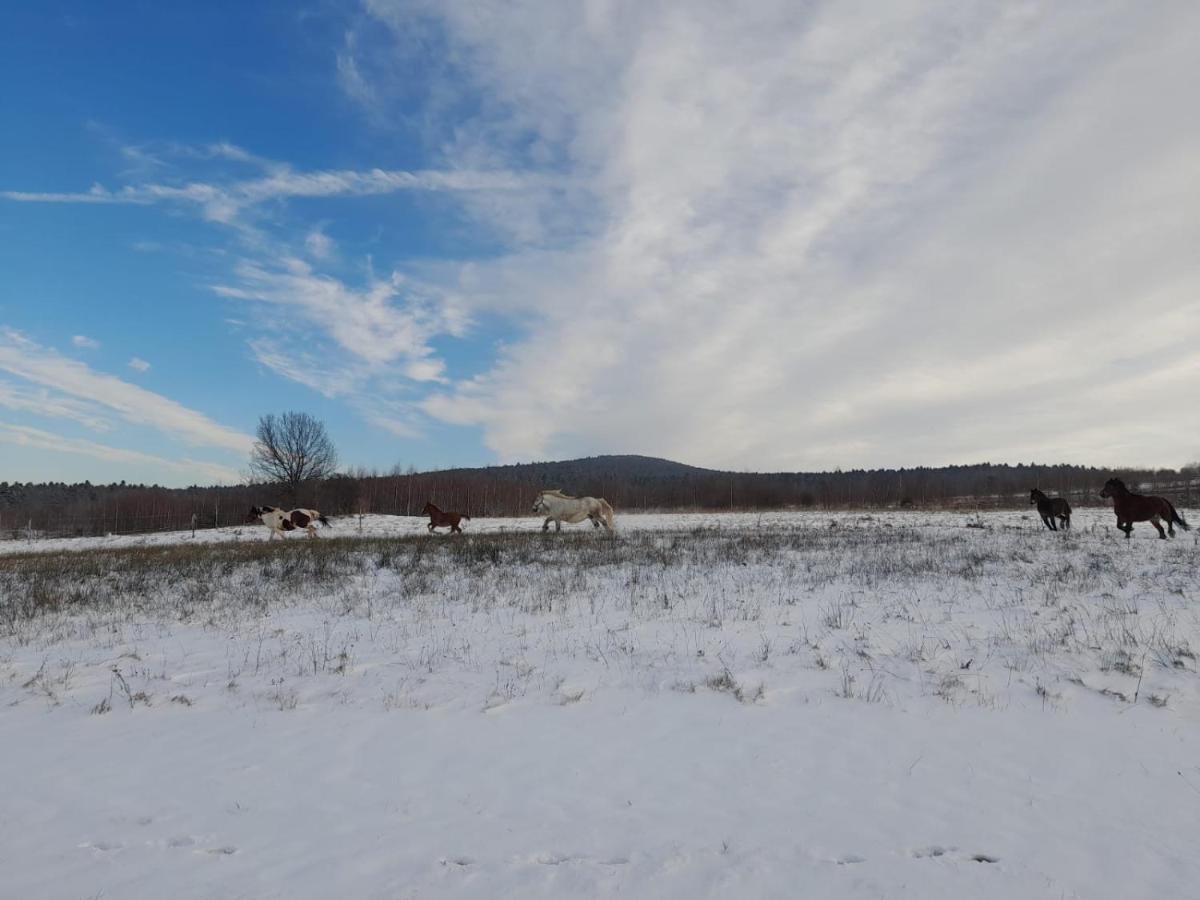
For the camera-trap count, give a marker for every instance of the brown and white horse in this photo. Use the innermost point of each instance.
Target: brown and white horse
(283, 520)
(440, 519)
(1131, 507)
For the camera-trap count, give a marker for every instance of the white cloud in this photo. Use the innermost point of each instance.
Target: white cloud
(225, 203)
(305, 368)
(198, 471)
(138, 364)
(839, 235)
(350, 78)
(87, 343)
(319, 245)
(42, 402)
(49, 369)
(385, 322)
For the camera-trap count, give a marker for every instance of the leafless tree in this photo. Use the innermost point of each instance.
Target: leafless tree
(292, 448)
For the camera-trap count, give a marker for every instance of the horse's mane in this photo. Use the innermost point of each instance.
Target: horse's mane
(555, 492)
(1117, 481)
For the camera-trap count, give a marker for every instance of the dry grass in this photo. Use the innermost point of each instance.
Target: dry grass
(874, 613)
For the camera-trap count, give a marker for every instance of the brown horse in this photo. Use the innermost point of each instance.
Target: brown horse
(439, 519)
(1051, 508)
(1131, 507)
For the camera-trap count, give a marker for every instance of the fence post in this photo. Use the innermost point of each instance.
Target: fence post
(193, 525)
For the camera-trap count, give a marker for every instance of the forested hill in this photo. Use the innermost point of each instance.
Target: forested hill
(591, 468)
(631, 483)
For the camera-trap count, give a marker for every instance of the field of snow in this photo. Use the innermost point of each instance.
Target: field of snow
(380, 526)
(805, 705)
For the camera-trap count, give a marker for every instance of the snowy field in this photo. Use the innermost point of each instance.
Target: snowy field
(780, 705)
(415, 526)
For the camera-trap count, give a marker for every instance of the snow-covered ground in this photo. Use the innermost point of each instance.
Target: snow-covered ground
(381, 526)
(888, 705)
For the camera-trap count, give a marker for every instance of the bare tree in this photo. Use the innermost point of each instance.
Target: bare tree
(292, 448)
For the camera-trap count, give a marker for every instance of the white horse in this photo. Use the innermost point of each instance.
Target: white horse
(558, 507)
(281, 520)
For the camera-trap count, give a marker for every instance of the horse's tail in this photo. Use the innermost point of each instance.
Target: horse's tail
(324, 521)
(607, 511)
(1177, 518)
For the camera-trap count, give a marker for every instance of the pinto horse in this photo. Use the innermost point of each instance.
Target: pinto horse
(1051, 508)
(281, 520)
(1131, 507)
(440, 519)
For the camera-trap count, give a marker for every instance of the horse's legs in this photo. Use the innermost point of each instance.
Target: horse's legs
(558, 524)
(1066, 521)
(454, 529)
(546, 525)
(1047, 522)
(312, 532)
(1154, 521)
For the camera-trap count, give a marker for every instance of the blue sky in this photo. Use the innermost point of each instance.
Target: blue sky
(812, 236)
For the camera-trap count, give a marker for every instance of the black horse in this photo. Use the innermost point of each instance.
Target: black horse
(1051, 508)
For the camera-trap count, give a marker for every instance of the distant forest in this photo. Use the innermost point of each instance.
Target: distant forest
(630, 483)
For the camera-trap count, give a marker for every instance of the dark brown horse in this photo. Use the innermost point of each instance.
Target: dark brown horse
(1051, 508)
(439, 519)
(1131, 507)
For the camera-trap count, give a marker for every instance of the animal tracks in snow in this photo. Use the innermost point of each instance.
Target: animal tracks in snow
(933, 851)
(175, 842)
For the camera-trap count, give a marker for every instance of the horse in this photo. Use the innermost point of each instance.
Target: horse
(281, 520)
(1131, 507)
(439, 519)
(1051, 508)
(558, 507)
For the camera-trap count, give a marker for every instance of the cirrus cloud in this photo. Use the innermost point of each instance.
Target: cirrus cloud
(51, 370)
(835, 234)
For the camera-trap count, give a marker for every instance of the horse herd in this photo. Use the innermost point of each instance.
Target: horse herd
(558, 507)
(1128, 506)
